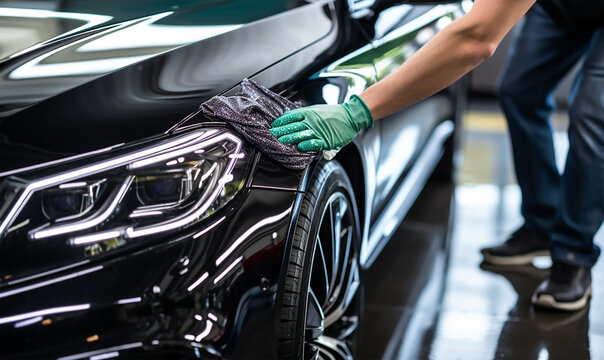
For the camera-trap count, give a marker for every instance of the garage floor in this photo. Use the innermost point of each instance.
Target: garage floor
(429, 297)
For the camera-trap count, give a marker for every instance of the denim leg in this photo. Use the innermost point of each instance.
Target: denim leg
(582, 194)
(539, 58)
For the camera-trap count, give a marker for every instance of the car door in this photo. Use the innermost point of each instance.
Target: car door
(399, 32)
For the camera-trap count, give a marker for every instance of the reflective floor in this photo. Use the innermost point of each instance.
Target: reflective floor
(429, 297)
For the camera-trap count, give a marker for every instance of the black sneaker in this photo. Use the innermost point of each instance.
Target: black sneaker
(568, 288)
(520, 249)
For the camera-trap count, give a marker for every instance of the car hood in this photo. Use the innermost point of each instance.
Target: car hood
(95, 74)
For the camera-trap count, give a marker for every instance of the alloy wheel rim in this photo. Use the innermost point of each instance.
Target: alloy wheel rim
(332, 313)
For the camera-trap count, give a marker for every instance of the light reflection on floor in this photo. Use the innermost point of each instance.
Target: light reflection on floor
(452, 307)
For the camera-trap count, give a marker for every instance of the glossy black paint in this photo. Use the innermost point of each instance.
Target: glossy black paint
(143, 297)
(138, 304)
(143, 99)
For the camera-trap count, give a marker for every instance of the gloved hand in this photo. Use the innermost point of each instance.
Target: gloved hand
(323, 127)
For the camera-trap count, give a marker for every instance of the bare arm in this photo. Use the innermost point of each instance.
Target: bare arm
(452, 53)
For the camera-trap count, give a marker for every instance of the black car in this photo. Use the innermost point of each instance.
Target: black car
(132, 226)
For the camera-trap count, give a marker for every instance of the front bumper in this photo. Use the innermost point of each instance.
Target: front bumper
(208, 293)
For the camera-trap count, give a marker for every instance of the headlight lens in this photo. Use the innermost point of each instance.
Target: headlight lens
(63, 219)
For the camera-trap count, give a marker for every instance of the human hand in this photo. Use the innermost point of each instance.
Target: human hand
(323, 127)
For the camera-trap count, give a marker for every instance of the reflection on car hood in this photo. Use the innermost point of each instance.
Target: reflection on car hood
(95, 74)
(60, 49)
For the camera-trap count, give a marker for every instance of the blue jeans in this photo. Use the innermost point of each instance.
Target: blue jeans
(568, 207)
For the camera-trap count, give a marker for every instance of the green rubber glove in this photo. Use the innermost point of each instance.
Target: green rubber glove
(323, 127)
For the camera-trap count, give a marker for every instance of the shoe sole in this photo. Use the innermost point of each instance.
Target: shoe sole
(524, 259)
(548, 301)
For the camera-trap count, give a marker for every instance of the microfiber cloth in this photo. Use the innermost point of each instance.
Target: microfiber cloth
(251, 112)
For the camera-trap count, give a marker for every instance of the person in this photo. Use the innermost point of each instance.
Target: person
(563, 211)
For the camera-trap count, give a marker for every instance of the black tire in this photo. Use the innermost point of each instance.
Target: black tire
(311, 283)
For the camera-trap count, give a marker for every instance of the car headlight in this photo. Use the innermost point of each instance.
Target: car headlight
(63, 219)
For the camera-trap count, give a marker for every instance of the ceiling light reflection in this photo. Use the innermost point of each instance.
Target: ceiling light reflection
(90, 20)
(41, 67)
(135, 34)
(250, 231)
(50, 311)
(129, 301)
(107, 355)
(205, 332)
(31, 321)
(101, 351)
(209, 228)
(331, 94)
(227, 270)
(51, 281)
(443, 22)
(406, 142)
(467, 5)
(34, 70)
(198, 282)
(148, 35)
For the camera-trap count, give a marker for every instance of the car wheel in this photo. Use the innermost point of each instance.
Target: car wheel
(322, 297)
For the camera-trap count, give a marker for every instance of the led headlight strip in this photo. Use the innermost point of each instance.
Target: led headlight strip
(181, 145)
(92, 221)
(199, 209)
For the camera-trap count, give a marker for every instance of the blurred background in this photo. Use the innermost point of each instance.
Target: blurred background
(430, 297)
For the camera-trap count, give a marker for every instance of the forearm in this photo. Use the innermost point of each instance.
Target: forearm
(453, 52)
(435, 66)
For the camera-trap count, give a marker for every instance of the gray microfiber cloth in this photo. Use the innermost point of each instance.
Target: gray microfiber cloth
(251, 112)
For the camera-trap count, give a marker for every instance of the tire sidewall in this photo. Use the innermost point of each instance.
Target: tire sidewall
(328, 178)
